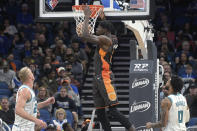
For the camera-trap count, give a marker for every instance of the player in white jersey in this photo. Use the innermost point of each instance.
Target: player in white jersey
(174, 109)
(26, 104)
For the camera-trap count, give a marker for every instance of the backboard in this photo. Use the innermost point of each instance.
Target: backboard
(54, 10)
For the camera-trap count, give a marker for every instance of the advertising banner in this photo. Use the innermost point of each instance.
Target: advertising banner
(142, 84)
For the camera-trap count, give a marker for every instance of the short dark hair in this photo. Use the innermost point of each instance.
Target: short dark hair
(106, 25)
(176, 83)
(4, 97)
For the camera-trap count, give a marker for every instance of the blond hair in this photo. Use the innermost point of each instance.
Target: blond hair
(23, 73)
(60, 110)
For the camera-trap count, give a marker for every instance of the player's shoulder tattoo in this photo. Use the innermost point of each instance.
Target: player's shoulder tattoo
(166, 104)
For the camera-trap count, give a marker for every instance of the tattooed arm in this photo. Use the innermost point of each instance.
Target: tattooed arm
(165, 107)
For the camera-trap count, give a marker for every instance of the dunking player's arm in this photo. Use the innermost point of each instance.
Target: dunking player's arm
(23, 96)
(104, 41)
(165, 107)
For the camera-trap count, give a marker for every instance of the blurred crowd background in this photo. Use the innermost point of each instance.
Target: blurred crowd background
(60, 60)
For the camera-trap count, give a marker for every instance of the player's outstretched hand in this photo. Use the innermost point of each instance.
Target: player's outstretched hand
(50, 100)
(40, 124)
(148, 125)
(87, 11)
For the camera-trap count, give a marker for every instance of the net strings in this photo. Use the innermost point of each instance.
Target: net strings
(80, 17)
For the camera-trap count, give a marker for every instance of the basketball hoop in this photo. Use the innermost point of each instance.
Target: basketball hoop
(78, 10)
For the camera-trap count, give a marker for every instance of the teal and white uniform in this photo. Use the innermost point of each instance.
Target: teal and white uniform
(21, 124)
(178, 113)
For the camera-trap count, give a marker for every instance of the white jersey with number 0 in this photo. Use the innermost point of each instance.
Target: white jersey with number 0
(178, 113)
(30, 107)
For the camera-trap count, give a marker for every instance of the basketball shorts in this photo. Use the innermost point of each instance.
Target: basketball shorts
(104, 92)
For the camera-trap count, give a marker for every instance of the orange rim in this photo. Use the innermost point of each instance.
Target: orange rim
(93, 8)
(81, 7)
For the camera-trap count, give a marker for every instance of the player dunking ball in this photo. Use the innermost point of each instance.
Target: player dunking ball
(103, 91)
(175, 112)
(26, 104)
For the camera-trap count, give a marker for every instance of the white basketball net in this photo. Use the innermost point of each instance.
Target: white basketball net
(80, 17)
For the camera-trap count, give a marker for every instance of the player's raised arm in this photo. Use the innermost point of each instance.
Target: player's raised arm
(85, 35)
(102, 40)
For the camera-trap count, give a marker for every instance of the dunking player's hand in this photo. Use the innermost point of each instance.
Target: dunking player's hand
(40, 124)
(87, 11)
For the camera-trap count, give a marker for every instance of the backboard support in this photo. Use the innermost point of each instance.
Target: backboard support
(55, 10)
